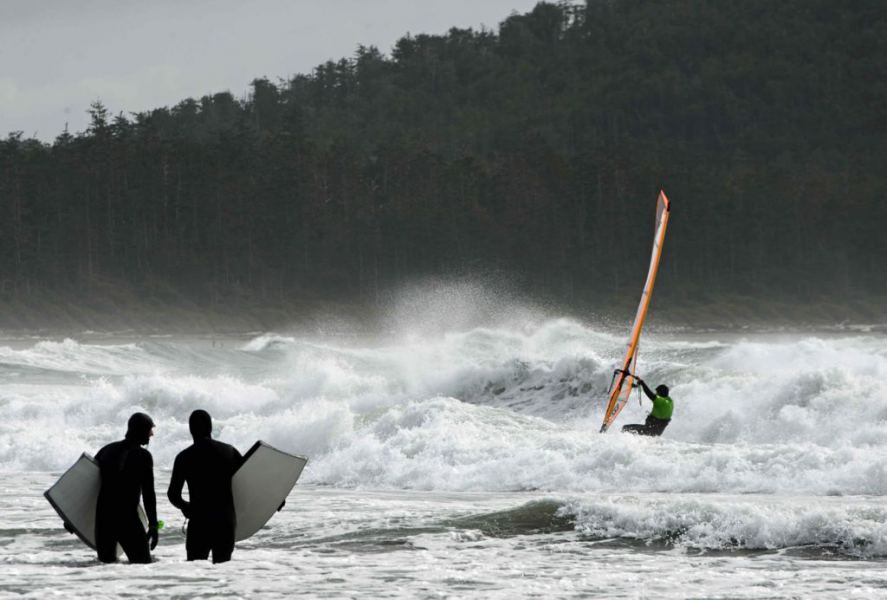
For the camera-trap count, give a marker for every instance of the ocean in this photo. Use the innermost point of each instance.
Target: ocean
(460, 461)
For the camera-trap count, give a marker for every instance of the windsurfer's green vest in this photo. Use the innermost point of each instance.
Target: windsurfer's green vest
(662, 407)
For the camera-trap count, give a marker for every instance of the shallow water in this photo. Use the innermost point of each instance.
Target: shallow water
(467, 464)
(331, 542)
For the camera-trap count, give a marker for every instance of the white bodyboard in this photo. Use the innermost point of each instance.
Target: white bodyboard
(75, 495)
(261, 485)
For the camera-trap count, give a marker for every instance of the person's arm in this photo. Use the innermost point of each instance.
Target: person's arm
(150, 499)
(647, 391)
(148, 495)
(176, 483)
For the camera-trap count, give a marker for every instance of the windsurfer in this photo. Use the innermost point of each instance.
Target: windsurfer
(659, 417)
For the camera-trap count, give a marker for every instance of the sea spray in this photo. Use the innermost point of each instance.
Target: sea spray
(507, 408)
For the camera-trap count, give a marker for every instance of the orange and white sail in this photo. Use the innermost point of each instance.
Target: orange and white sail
(623, 380)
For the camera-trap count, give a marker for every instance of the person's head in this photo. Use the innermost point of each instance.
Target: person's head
(140, 428)
(201, 424)
(662, 390)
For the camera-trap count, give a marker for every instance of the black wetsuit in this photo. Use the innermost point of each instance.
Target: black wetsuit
(654, 425)
(127, 471)
(206, 466)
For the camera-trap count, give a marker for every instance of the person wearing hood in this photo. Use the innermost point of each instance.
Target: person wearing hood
(127, 473)
(207, 466)
(659, 417)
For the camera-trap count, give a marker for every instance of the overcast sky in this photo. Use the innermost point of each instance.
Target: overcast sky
(57, 56)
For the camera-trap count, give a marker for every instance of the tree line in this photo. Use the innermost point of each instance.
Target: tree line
(536, 149)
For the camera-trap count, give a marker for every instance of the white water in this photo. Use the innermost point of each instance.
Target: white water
(776, 454)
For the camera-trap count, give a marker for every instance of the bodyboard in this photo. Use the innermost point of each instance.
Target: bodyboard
(261, 485)
(75, 495)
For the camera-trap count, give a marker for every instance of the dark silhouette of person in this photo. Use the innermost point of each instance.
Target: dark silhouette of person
(127, 472)
(206, 466)
(659, 417)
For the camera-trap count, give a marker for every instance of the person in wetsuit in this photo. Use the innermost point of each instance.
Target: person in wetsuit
(207, 467)
(127, 472)
(659, 417)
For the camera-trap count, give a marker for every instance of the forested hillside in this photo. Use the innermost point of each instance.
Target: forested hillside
(535, 150)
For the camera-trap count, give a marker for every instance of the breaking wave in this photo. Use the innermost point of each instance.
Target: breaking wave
(511, 407)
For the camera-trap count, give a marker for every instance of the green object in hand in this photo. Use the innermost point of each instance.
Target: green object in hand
(160, 525)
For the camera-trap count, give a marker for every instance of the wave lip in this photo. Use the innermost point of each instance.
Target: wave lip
(266, 341)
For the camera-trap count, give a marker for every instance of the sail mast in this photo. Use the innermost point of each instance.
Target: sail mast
(621, 388)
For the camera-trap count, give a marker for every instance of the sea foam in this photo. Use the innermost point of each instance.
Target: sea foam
(489, 408)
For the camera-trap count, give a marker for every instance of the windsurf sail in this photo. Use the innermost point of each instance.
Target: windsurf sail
(623, 378)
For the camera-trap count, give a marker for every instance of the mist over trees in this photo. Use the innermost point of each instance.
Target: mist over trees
(536, 150)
